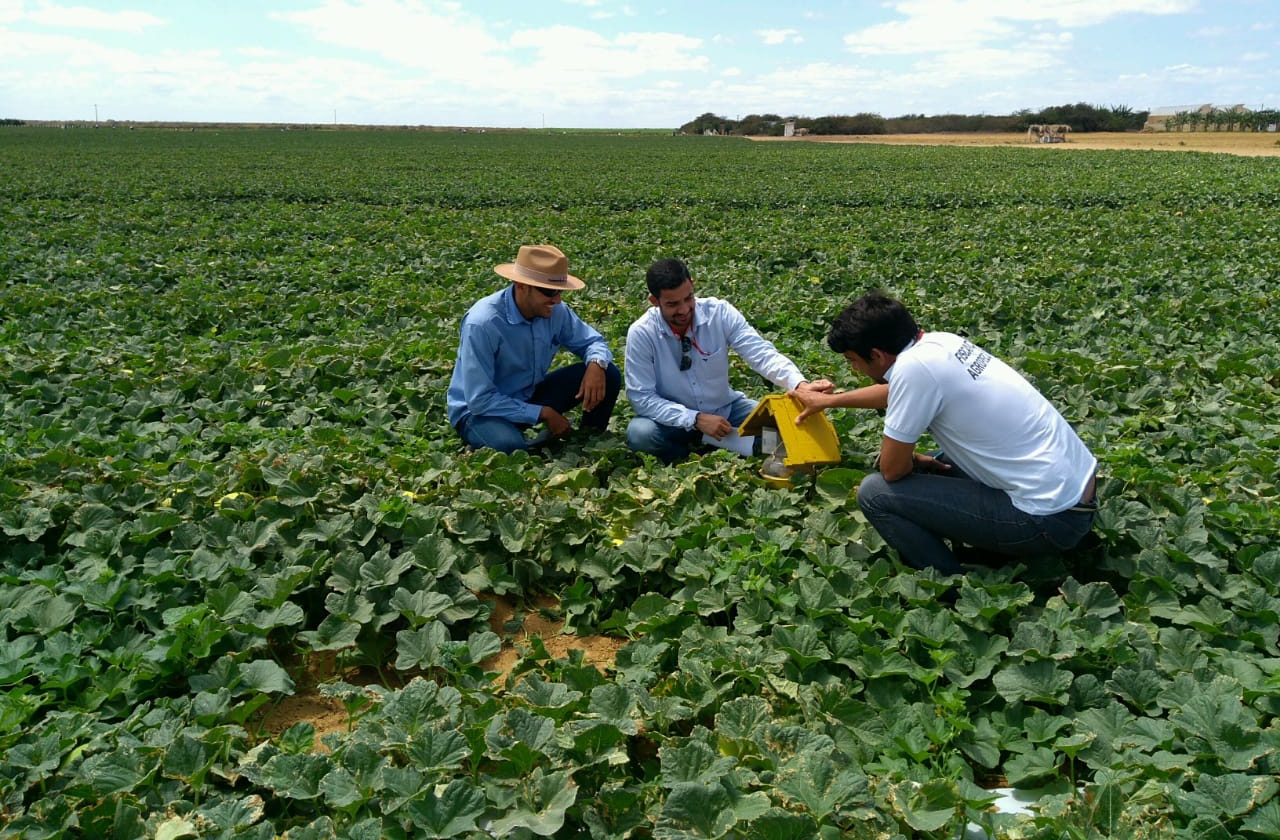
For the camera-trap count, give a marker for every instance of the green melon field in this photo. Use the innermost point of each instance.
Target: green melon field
(227, 482)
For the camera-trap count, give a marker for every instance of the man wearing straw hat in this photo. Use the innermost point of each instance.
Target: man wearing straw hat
(501, 385)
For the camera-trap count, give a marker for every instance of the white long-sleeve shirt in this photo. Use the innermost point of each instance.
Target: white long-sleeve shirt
(660, 391)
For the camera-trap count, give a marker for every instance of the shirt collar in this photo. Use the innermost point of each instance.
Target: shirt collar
(912, 343)
(507, 305)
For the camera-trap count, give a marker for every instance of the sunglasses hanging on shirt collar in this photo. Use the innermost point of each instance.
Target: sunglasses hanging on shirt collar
(687, 343)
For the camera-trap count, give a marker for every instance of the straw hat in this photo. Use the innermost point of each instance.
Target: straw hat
(540, 265)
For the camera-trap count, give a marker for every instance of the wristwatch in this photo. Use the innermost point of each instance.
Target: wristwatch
(602, 363)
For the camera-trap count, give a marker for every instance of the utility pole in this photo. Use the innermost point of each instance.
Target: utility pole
(95, 113)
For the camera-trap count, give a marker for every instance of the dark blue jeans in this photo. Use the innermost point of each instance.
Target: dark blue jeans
(918, 513)
(559, 391)
(671, 444)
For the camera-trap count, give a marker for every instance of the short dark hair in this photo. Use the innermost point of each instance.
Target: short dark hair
(873, 320)
(666, 274)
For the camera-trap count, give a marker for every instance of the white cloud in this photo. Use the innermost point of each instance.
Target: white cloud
(259, 52)
(955, 68)
(1068, 14)
(435, 37)
(10, 11)
(72, 52)
(579, 56)
(950, 28)
(932, 26)
(454, 47)
(774, 37)
(83, 17)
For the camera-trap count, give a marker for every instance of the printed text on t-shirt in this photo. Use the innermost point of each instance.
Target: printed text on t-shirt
(977, 359)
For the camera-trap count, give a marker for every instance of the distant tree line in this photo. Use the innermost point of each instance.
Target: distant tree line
(11, 121)
(1080, 117)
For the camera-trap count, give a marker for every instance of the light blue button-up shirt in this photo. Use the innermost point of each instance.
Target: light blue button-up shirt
(660, 391)
(503, 356)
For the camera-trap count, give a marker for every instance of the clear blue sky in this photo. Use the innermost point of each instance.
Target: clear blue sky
(623, 63)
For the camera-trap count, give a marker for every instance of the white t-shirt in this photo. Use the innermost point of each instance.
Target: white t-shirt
(989, 421)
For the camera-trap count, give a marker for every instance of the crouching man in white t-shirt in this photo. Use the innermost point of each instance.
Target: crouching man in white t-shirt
(1012, 478)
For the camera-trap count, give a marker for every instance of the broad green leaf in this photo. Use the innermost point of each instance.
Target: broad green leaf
(927, 807)
(334, 633)
(1140, 687)
(696, 810)
(692, 762)
(542, 810)
(420, 606)
(554, 698)
(450, 812)
(1095, 599)
(401, 786)
(1265, 821)
(296, 776)
(51, 614)
(340, 789)
(520, 737)
(777, 824)
(187, 759)
(836, 485)
(233, 815)
(1031, 768)
(26, 521)
(436, 751)
(265, 676)
(428, 646)
(814, 781)
(801, 643)
(298, 738)
(1041, 681)
(1219, 728)
(1226, 796)
(115, 772)
(614, 705)
(175, 827)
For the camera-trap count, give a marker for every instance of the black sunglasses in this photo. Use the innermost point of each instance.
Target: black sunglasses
(686, 344)
(547, 292)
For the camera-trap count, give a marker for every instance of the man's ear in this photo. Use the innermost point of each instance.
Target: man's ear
(885, 358)
(653, 301)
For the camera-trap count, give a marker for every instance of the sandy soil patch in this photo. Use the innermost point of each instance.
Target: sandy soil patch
(540, 620)
(1263, 144)
(514, 626)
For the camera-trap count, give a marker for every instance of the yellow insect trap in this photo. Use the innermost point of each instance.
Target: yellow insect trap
(789, 449)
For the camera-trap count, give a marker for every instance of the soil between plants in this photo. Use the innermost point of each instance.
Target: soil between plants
(515, 626)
